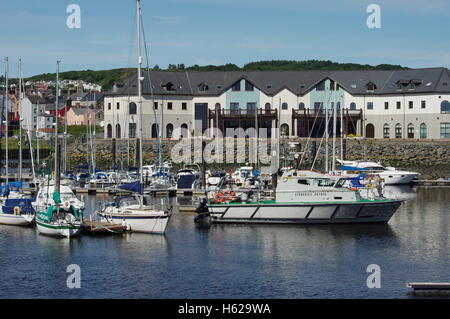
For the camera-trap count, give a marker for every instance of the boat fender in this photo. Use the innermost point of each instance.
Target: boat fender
(219, 197)
(17, 210)
(66, 205)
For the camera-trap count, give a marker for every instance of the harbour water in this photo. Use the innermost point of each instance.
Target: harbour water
(237, 261)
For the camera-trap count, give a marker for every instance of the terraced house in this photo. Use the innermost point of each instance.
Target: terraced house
(404, 104)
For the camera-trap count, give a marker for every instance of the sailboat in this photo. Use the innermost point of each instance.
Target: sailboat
(135, 211)
(59, 219)
(15, 211)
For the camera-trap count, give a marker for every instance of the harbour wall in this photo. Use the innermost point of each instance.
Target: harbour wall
(431, 158)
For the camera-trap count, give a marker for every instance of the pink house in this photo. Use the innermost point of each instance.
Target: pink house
(79, 115)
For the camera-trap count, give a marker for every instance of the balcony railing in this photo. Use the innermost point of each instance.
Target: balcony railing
(321, 112)
(242, 112)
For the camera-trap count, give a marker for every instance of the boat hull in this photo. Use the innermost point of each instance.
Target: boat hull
(152, 224)
(304, 213)
(51, 229)
(17, 220)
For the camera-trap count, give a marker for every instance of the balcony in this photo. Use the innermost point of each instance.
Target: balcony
(243, 113)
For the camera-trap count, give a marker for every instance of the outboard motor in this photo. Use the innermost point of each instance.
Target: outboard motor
(203, 219)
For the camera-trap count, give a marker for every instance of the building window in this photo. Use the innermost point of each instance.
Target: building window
(386, 131)
(410, 130)
(118, 105)
(118, 135)
(248, 86)
(184, 106)
(445, 130)
(411, 104)
(332, 85)
(155, 130)
(301, 106)
(169, 106)
(132, 130)
(251, 108)
(284, 129)
(234, 107)
(109, 106)
(445, 107)
(423, 130)
(370, 105)
(338, 106)
(236, 87)
(109, 131)
(371, 87)
(320, 86)
(284, 106)
(424, 105)
(132, 108)
(352, 106)
(399, 105)
(386, 105)
(184, 130)
(398, 130)
(169, 130)
(155, 105)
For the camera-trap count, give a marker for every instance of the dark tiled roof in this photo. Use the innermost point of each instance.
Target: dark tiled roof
(299, 82)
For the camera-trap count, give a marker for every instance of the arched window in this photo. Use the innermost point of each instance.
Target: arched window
(386, 131)
(352, 106)
(132, 108)
(301, 106)
(284, 106)
(410, 130)
(445, 107)
(184, 130)
(370, 131)
(169, 130)
(398, 130)
(423, 130)
(118, 135)
(284, 129)
(154, 130)
(109, 131)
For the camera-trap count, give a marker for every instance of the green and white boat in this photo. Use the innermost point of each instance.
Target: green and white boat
(301, 199)
(59, 220)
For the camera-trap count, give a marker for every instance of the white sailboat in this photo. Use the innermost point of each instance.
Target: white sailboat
(59, 219)
(135, 212)
(15, 210)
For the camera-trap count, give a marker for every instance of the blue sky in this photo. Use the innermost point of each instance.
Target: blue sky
(413, 33)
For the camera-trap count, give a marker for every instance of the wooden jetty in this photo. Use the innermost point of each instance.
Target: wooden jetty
(97, 227)
(437, 288)
(94, 191)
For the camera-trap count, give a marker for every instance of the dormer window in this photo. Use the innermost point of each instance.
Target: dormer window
(168, 86)
(203, 87)
(371, 87)
(269, 86)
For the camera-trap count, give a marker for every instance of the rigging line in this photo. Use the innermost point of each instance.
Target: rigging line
(133, 30)
(152, 98)
(317, 152)
(312, 128)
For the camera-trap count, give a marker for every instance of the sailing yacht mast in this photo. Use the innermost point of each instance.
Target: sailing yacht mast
(20, 119)
(6, 118)
(333, 165)
(57, 177)
(139, 79)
